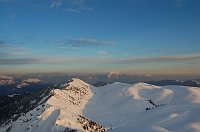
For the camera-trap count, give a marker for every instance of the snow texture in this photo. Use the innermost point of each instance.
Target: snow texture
(119, 107)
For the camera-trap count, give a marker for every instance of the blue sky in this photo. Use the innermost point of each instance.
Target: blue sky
(130, 36)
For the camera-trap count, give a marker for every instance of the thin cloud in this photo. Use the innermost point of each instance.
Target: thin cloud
(103, 53)
(71, 6)
(72, 10)
(77, 6)
(48, 60)
(86, 41)
(4, 54)
(5, 45)
(178, 58)
(98, 60)
(19, 61)
(82, 42)
(12, 54)
(9, 50)
(56, 4)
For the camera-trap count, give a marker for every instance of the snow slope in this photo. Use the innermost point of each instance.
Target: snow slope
(119, 107)
(57, 111)
(122, 107)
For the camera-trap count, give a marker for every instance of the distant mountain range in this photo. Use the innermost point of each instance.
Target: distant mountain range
(192, 83)
(15, 85)
(9, 85)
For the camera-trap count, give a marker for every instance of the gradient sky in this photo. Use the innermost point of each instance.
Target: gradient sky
(130, 36)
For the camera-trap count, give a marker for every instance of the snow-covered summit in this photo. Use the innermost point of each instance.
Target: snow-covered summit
(27, 82)
(6, 80)
(6, 77)
(113, 74)
(78, 83)
(35, 80)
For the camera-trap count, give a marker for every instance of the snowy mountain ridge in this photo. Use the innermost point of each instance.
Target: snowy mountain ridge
(114, 107)
(61, 110)
(6, 80)
(27, 82)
